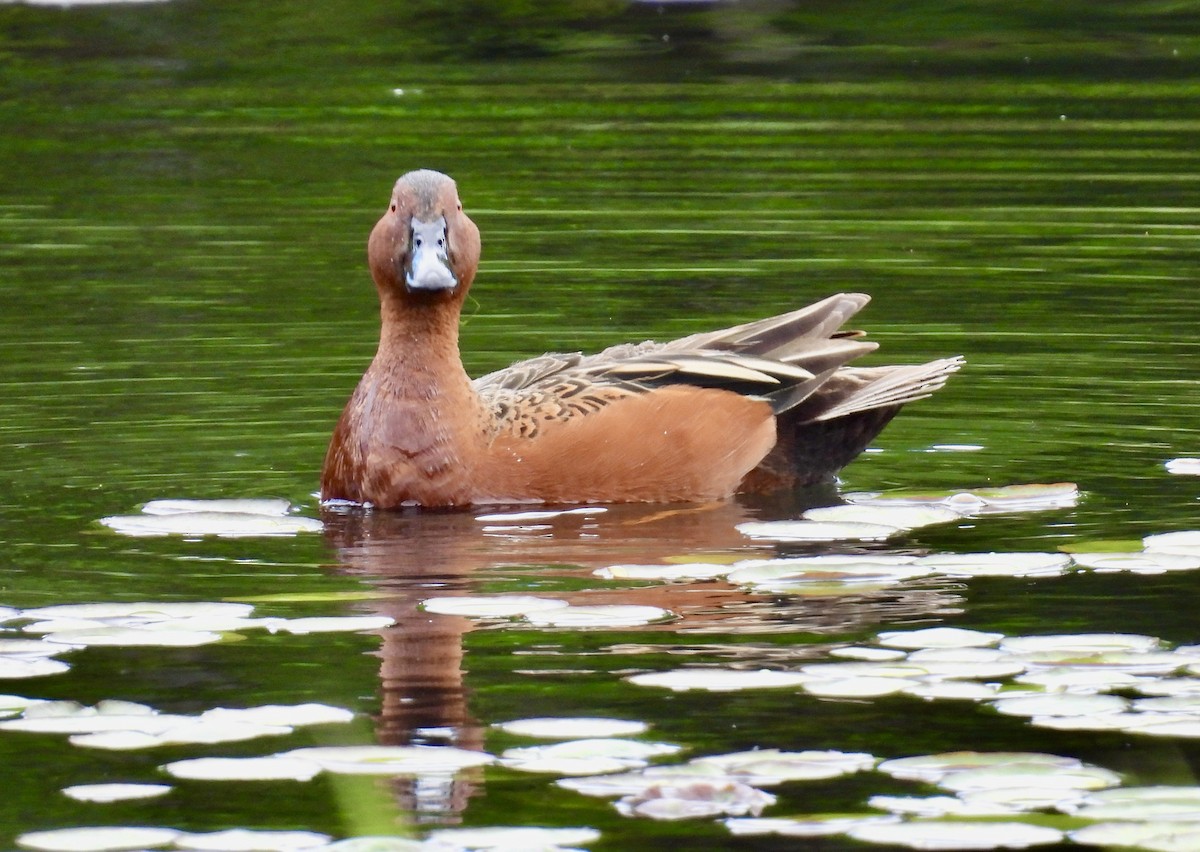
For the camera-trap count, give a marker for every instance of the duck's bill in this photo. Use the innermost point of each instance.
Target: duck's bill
(429, 261)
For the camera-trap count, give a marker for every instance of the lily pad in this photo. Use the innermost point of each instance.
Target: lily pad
(816, 530)
(958, 835)
(493, 606)
(245, 840)
(932, 768)
(219, 524)
(238, 506)
(672, 572)
(719, 680)
(513, 837)
(901, 517)
(269, 768)
(939, 637)
(103, 793)
(997, 564)
(1184, 466)
(97, 838)
(599, 615)
(391, 760)
(572, 728)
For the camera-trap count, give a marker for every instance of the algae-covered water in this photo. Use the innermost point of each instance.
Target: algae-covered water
(185, 194)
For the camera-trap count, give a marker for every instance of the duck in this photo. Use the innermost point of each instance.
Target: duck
(766, 405)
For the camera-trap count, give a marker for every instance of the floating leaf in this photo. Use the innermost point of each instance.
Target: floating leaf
(245, 840)
(1186, 542)
(938, 637)
(719, 680)
(220, 524)
(589, 756)
(816, 531)
(771, 766)
(391, 760)
(1011, 498)
(98, 838)
(129, 637)
(1147, 562)
(513, 837)
(958, 835)
(104, 793)
(335, 624)
(1060, 704)
(237, 506)
(932, 768)
(571, 728)
(1184, 466)
(936, 806)
(148, 611)
(812, 826)
(1080, 643)
(673, 572)
(687, 801)
(901, 517)
(17, 668)
(997, 564)
(599, 615)
(269, 768)
(495, 606)
(859, 687)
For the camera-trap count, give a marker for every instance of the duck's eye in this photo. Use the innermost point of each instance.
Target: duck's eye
(416, 242)
(392, 208)
(441, 242)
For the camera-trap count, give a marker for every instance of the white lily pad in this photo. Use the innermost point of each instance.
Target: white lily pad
(269, 768)
(1185, 542)
(764, 767)
(954, 690)
(292, 715)
(719, 680)
(572, 728)
(598, 615)
(335, 624)
(1147, 562)
(958, 835)
(1081, 681)
(17, 668)
(932, 768)
(539, 514)
(859, 687)
(1009, 498)
(1028, 776)
(1183, 466)
(31, 648)
(245, 840)
(129, 637)
(688, 801)
(220, 524)
(1148, 663)
(1152, 836)
(1060, 704)
(934, 807)
(493, 606)
(781, 573)
(805, 827)
(144, 610)
(1081, 643)
(240, 506)
(997, 564)
(99, 838)
(816, 530)
(103, 793)
(939, 637)
(513, 838)
(673, 572)
(629, 754)
(901, 517)
(1158, 804)
(391, 760)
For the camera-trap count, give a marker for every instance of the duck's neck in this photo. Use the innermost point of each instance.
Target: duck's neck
(418, 350)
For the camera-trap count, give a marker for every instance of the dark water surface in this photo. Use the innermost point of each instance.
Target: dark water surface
(185, 308)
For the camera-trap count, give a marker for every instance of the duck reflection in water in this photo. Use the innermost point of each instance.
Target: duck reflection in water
(413, 556)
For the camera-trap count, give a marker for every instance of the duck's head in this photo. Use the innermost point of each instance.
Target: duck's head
(425, 247)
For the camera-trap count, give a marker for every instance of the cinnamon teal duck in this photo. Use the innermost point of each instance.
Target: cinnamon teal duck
(765, 405)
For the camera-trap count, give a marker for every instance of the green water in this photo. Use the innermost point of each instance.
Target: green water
(185, 194)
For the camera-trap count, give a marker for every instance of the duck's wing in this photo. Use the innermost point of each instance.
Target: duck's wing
(783, 360)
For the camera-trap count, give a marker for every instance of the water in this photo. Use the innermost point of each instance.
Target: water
(186, 309)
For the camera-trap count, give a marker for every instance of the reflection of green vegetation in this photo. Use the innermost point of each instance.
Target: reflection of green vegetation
(615, 39)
